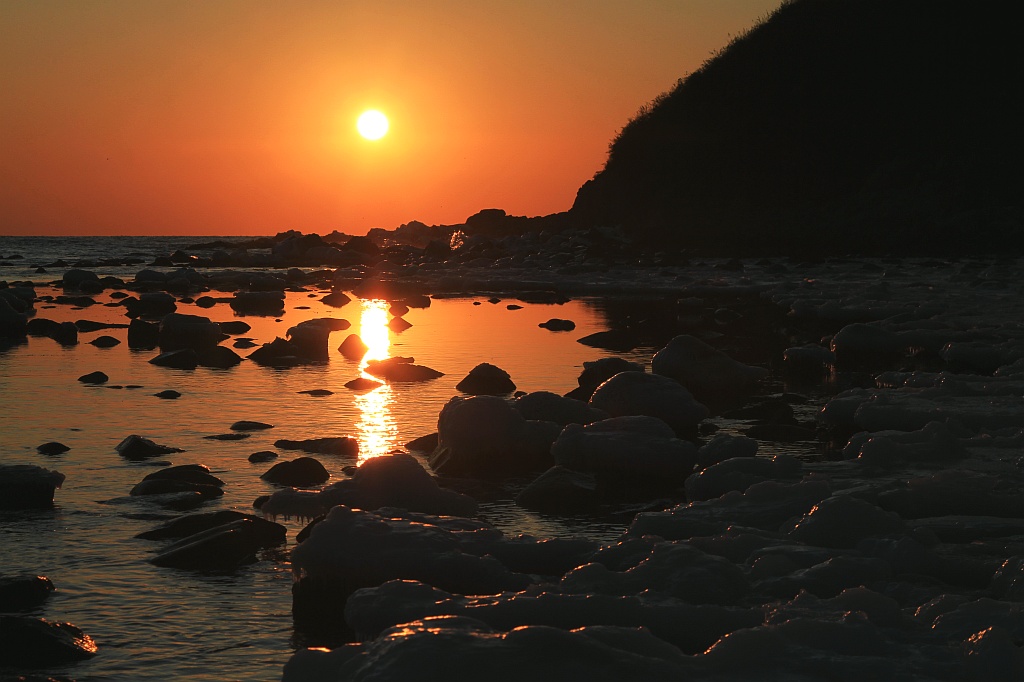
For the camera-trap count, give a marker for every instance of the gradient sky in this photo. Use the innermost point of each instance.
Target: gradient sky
(237, 117)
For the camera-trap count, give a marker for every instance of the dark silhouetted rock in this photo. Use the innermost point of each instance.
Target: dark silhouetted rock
(27, 642)
(485, 436)
(309, 339)
(558, 325)
(52, 448)
(25, 486)
(620, 340)
(166, 486)
(708, 373)
(398, 325)
(258, 303)
(353, 347)
(179, 331)
(425, 443)
(192, 473)
(228, 436)
(339, 445)
(136, 448)
(223, 547)
(143, 335)
(185, 358)
(24, 592)
(336, 299)
(318, 392)
(151, 304)
(250, 426)
(105, 341)
(13, 324)
(194, 523)
(401, 369)
(169, 394)
(362, 384)
(262, 456)
(486, 379)
(303, 472)
(218, 357)
(94, 378)
(74, 278)
(234, 327)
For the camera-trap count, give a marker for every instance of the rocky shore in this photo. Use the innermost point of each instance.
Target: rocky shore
(888, 545)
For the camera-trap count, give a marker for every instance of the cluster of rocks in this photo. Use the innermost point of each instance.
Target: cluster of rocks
(30, 642)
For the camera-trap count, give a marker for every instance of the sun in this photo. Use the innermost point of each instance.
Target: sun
(372, 124)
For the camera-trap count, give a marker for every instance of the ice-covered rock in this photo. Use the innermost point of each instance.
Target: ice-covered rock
(843, 521)
(708, 373)
(485, 435)
(723, 447)
(350, 549)
(638, 393)
(625, 454)
(738, 474)
(560, 490)
(547, 406)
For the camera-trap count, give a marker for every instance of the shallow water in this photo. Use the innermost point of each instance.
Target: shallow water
(154, 623)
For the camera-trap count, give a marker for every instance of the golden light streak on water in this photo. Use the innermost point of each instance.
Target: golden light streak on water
(376, 427)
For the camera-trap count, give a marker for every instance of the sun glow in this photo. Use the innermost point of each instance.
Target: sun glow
(372, 124)
(376, 427)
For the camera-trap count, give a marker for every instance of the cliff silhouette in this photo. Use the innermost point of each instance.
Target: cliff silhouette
(833, 126)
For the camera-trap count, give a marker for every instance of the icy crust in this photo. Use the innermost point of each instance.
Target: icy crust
(857, 635)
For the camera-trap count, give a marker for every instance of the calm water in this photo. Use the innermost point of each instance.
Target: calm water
(158, 624)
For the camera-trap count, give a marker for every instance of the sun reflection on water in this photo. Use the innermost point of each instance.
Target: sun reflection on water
(376, 427)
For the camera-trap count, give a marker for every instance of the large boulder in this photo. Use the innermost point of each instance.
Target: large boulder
(485, 435)
(708, 373)
(309, 339)
(26, 486)
(24, 592)
(75, 278)
(738, 473)
(353, 347)
(560, 490)
(13, 324)
(143, 335)
(597, 372)
(333, 445)
(652, 395)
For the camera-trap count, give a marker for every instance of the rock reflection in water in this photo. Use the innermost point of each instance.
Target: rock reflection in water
(377, 430)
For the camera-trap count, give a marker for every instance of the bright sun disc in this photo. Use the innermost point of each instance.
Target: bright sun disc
(372, 124)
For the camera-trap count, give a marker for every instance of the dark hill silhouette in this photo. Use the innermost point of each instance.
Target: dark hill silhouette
(833, 126)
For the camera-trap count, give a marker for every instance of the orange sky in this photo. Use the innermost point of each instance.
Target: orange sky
(238, 117)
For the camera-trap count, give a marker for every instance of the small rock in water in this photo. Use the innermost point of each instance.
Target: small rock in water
(336, 299)
(341, 445)
(317, 392)
(223, 547)
(353, 347)
(262, 456)
(105, 341)
(250, 426)
(227, 436)
(486, 379)
(558, 325)
(136, 447)
(185, 358)
(423, 443)
(169, 394)
(302, 472)
(513, 306)
(398, 324)
(52, 448)
(362, 384)
(401, 369)
(94, 378)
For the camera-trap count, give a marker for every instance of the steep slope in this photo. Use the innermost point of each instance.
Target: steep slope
(833, 126)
